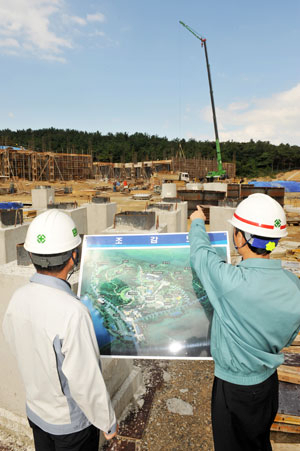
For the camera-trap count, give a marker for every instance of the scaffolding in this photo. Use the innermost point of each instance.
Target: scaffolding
(50, 166)
(44, 166)
(196, 167)
(199, 167)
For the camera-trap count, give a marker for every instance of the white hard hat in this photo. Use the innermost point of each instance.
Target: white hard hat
(52, 232)
(261, 215)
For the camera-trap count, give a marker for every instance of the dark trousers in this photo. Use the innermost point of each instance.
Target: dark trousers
(85, 440)
(243, 414)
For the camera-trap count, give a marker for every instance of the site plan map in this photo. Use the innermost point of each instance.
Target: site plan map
(142, 295)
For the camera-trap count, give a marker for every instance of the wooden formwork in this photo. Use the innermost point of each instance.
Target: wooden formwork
(49, 166)
(199, 167)
(196, 167)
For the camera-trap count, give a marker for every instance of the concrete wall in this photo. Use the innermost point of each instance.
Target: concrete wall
(42, 197)
(218, 221)
(100, 217)
(183, 208)
(9, 238)
(172, 219)
(79, 216)
(215, 186)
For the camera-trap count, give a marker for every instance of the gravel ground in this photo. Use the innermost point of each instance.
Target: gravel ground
(179, 415)
(172, 415)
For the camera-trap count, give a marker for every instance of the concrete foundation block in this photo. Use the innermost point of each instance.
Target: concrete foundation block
(168, 190)
(115, 371)
(42, 197)
(9, 238)
(124, 396)
(79, 216)
(100, 216)
(172, 219)
(183, 208)
(215, 186)
(218, 221)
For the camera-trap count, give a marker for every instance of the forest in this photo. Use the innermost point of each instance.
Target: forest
(253, 159)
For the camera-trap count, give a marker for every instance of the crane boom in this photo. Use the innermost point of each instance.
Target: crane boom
(220, 172)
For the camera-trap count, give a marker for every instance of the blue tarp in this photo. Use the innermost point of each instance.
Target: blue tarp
(289, 186)
(10, 205)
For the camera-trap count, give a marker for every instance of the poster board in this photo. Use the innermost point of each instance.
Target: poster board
(143, 298)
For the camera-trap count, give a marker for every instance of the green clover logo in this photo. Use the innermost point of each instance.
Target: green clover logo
(74, 231)
(41, 239)
(277, 223)
(270, 246)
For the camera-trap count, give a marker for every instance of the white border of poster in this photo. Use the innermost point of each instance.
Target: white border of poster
(143, 297)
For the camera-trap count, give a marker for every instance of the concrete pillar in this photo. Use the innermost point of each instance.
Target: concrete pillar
(100, 217)
(168, 190)
(172, 219)
(183, 208)
(9, 238)
(215, 186)
(42, 197)
(218, 221)
(79, 216)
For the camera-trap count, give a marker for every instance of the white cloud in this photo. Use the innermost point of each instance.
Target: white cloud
(275, 119)
(10, 114)
(41, 28)
(26, 24)
(9, 42)
(97, 17)
(77, 20)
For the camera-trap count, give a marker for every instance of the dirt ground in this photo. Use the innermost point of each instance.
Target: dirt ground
(187, 381)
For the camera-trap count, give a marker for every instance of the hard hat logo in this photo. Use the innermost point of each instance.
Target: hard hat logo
(270, 246)
(74, 231)
(41, 239)
(277, 223)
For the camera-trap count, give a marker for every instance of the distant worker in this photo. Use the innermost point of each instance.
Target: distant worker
(255, 309)
(52, 336)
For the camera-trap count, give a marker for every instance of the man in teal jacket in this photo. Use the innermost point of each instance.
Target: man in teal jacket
(255, 313)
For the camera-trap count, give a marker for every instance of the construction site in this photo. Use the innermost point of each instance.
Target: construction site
(19, 163)
(151, 197)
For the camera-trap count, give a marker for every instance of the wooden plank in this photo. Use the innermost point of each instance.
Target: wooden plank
(290, 419)
(282, 427)
(284, 446)
(292, 359)
(296, 342)
(289, 374)
(291, 350)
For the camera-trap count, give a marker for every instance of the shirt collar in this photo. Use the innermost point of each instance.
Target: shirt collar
(261, 263)
(53, 282)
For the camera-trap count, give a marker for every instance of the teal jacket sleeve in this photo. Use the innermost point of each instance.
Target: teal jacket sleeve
(217, 276)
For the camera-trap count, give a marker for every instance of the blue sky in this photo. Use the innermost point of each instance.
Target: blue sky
(129, 66)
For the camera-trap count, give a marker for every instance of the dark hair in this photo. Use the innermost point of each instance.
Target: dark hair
(255, 250)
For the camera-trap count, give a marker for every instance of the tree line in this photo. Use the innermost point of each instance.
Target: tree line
(252, 158)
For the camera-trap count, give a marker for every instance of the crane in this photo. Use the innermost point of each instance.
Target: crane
(220, 173)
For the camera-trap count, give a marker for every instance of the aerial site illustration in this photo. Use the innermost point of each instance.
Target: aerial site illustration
(143, 298)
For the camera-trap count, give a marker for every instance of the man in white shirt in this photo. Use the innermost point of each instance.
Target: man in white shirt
(52, 336)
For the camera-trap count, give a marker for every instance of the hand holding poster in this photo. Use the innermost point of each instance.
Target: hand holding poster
(143, 298)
